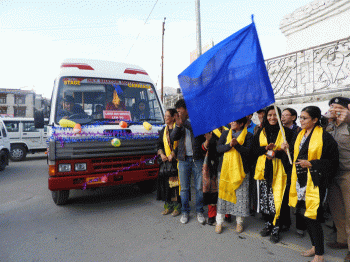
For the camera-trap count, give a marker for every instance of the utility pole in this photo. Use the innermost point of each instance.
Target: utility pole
(161, 75)
(198, 29)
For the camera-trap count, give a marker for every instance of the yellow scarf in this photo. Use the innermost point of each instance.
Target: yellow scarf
(312, 194)
(232, 171)
(279, 180)
(217, 131)
(166, 141)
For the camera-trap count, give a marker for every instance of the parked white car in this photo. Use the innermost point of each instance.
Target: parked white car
(24, 137)
(4, 146)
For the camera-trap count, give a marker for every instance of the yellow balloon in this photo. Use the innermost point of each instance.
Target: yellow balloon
(67, 123)
(147, 126)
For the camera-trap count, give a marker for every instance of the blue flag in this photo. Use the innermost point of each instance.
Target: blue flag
(226, 83)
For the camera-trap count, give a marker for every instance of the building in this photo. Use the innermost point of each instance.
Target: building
(20, 103)
(317, 64)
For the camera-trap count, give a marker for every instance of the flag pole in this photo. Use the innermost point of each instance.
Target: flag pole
(284, 137)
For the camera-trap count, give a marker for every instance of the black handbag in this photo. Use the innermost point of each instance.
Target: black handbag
(168, 169)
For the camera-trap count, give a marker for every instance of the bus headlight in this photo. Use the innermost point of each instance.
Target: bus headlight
(64, 168)
(80, 167)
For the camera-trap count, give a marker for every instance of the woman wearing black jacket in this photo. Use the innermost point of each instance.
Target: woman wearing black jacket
(316, 160)
(234, 174)
(168, 187)
(272, 172)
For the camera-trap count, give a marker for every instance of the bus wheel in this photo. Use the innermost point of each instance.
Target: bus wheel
(18, 153)
(60, 197)
(3, 160)
(147, 186)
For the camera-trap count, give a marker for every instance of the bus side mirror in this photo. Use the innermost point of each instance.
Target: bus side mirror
(39, 119)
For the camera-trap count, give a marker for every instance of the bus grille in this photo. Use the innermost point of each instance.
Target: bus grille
(99, 149)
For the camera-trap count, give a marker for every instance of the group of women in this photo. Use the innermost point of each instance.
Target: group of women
(289, 169)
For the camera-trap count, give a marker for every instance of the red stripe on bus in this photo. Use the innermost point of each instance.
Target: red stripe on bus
(79, 66)
(135, 71)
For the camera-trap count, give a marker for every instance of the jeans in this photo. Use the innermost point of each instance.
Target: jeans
(188, 168)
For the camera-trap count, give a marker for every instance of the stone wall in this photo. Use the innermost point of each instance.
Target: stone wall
(318, 22)
(315, 74)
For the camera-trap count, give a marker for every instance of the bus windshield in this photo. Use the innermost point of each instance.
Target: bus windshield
(86, 100)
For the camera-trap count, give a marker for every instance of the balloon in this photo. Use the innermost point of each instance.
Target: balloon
(123, 124)
(77, 129)
(116, 142)
(67, 123)
(147, 126)
(104, 179)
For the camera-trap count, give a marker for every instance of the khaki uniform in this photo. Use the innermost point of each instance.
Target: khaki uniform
(339, 195)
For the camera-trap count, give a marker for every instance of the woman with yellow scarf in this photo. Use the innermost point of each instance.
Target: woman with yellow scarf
(168, 187)
(234, 176)
(316, 160)
(271, 171)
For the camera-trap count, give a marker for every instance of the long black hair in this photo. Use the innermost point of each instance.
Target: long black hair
(265, 122)
(314, 112)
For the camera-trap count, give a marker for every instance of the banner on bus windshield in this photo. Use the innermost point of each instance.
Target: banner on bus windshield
(118, 115)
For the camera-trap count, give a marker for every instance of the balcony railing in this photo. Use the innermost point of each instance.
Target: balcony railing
(317, 70)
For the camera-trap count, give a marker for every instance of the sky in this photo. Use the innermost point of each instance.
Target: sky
(36, 36)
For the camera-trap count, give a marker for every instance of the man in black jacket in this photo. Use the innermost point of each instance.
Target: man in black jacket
(190, 155)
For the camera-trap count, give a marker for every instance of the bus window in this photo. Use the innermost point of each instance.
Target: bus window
(82, 101)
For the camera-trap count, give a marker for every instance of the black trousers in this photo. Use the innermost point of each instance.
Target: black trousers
(284, 219)
(300, 222)
(313, 226)
(315, 231)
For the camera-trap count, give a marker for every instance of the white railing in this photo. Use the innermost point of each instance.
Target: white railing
(317, 70)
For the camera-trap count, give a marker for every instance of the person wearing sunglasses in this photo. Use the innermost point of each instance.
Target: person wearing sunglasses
(315, 159)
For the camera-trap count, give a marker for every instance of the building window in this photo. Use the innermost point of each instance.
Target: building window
(3, 109)
(19, 111)
(2, 98)
(20, 99)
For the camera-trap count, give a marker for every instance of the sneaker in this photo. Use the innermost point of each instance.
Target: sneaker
(184, 218)
(200, 218)
(266, 230)
(211, 221)
(275, 235)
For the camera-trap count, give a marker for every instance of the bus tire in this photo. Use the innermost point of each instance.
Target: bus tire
(60, 197)
(18, 153)
(3, 160)
(147, 186)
